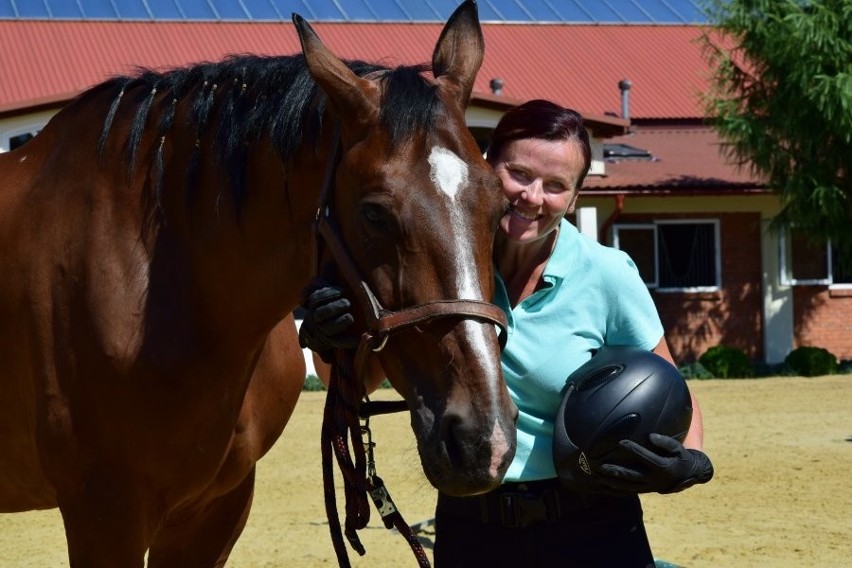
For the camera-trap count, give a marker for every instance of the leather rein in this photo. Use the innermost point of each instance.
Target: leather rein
(346, 401)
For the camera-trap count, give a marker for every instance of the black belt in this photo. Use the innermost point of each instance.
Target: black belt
(519, 505)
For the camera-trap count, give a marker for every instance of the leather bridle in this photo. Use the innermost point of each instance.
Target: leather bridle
(382, 323)
(345, 402)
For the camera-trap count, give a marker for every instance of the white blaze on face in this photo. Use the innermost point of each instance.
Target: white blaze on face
(449, 174)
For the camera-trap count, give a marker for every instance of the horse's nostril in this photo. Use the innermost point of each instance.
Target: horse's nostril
(453, 436)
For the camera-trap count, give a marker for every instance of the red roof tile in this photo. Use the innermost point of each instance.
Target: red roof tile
(577, 65)
(682, 158)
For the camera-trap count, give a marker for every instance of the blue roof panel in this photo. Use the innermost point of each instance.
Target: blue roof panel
(526, 11)
(98, 9)
(63, 9)
(358, 10)
(189, 10)
(229, 10)
(323, 10)
(420, 11)
(508, 11)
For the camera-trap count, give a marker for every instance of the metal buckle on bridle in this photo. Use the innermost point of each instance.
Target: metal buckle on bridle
(376, 487)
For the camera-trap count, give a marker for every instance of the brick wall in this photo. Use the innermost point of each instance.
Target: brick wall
(732, 316)
(823, 318)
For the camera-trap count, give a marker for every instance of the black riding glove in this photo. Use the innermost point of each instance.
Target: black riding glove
(671, 469)
(327, 322)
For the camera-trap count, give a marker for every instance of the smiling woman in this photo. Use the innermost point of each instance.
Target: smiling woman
(566, 297)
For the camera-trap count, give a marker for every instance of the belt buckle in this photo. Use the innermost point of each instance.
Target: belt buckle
(520, 510)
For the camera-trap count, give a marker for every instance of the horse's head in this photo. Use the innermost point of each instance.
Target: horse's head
(417, 207)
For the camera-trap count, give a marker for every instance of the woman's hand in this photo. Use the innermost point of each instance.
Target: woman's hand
(666, 467)
(327, 322)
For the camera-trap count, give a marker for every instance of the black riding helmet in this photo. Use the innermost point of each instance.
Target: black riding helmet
(620, 393)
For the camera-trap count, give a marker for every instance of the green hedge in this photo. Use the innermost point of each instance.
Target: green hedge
(313, 383)
(726, 362)
(695, 371)
(812, 361)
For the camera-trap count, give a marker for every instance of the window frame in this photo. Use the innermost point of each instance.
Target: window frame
(654, 225)
(785, 276)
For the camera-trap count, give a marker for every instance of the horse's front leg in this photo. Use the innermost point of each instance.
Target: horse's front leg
(108, 521)
(204, 537)
(202, 534)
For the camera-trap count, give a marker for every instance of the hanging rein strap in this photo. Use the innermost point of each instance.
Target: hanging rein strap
(344, 405)
(341, 426)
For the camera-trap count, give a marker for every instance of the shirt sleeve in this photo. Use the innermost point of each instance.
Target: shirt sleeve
(632, 318)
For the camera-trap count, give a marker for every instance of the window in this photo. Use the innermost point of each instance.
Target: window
(640, 242)
(20, 139)
(482, 135)
(17, 138)
(673, 255)
(807, 261)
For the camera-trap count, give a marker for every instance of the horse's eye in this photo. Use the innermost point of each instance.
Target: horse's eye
(374, 215)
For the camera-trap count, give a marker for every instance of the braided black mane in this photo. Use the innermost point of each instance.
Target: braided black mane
(247, 97)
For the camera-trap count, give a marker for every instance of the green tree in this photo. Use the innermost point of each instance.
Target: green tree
(783, 104)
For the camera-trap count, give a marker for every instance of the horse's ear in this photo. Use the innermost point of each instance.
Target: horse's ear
(459, 52)
(353, 99)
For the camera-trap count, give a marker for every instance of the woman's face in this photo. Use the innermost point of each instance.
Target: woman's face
(540, 179)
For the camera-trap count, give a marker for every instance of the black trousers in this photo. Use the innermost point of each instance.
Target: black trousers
(540, 524)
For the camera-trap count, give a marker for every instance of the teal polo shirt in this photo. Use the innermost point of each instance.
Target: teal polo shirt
(592, 295)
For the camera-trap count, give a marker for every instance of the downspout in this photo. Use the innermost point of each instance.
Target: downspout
(613, 217)
(624, 86)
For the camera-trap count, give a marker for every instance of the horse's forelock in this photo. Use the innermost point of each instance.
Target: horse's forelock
(409, 102)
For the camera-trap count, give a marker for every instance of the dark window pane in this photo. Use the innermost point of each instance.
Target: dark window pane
(20, 140)
(841, 269)
(809, 257)
(687, 253)
(639, 244)
(482, 136)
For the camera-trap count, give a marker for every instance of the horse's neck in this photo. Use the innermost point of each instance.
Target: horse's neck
(251, 262)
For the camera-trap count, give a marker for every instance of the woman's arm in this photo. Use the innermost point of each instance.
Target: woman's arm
(695, 435)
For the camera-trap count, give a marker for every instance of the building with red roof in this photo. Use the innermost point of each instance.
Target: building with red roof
(660, 186)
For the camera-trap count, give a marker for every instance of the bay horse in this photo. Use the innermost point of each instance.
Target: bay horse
(155, 238)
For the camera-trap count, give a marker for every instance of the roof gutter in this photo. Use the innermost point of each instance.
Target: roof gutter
(679, 191)
(34, 105)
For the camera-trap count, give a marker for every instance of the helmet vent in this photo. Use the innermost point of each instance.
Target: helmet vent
(621, 429)
(600, 377)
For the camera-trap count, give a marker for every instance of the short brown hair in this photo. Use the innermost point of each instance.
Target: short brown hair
(541, 119)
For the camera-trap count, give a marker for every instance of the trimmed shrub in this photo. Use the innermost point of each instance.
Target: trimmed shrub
(812, 361)
(763, 369)
(313, 383)
(727, 362)
(695, 371)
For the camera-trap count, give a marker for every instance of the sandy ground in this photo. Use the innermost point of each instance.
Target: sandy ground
(782, 495)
